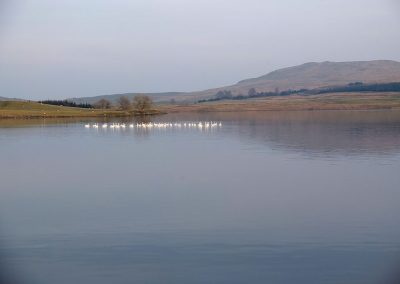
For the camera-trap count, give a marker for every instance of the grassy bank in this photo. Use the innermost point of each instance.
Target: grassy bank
(336, 101)
(24, 109)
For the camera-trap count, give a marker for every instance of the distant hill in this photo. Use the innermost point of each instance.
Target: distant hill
(307, 76)
(5, 99)
(314, 75)
(9, 99)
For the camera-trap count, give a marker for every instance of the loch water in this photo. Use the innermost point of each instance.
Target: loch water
(268, 197)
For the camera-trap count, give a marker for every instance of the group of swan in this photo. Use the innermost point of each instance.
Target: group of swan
(161, 125)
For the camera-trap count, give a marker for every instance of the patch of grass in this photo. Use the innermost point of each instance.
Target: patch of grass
(26, 109)
(337, 101)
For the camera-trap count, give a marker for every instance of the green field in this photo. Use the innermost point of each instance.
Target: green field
(26, 109)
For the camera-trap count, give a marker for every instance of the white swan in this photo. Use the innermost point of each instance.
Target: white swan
(158, 125)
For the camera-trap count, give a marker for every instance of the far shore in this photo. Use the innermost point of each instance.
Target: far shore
(335, 101)
(33, 110)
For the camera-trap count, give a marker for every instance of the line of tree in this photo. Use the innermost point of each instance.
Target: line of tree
(103, 104)
(139, 103)
(360, 87)
(352, 87)
(142, 103)
(252, 93)
(66, 103)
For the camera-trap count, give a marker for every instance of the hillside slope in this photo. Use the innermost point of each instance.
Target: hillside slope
(314, 75)
(308, 76)
(9, 99)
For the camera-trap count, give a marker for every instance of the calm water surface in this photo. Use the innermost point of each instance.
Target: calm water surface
(288, 197)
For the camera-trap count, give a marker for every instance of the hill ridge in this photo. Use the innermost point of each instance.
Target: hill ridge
(307, 75)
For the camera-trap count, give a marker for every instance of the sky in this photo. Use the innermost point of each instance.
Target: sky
(72, 48)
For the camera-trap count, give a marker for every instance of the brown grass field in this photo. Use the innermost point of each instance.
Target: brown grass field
(335, 101)
(25, 109)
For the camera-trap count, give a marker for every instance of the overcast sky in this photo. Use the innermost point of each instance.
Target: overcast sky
(70, 48)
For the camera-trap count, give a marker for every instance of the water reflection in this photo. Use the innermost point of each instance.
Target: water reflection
(324, 133)
(311, 133)
(259, 200)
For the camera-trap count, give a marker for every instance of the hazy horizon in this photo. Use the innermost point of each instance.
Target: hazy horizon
(73, 48)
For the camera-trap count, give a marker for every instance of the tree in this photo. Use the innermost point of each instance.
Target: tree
(103, 104)
(124, 103)
(225, 94)
(142, 103)
(252, 92)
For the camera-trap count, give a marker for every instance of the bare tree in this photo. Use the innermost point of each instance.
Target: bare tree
(103, 104)
(142, 103)
(124, 103)
(252, 92)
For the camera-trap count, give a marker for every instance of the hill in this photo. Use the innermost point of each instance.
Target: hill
(308, 76)
(315, 75)
(9, 99)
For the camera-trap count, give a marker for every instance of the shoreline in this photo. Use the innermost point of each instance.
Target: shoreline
(34, 110)
(335, 101)
(30, 116)
(326, 102)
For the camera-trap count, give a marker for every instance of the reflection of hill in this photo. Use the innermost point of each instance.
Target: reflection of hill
(316, 133)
